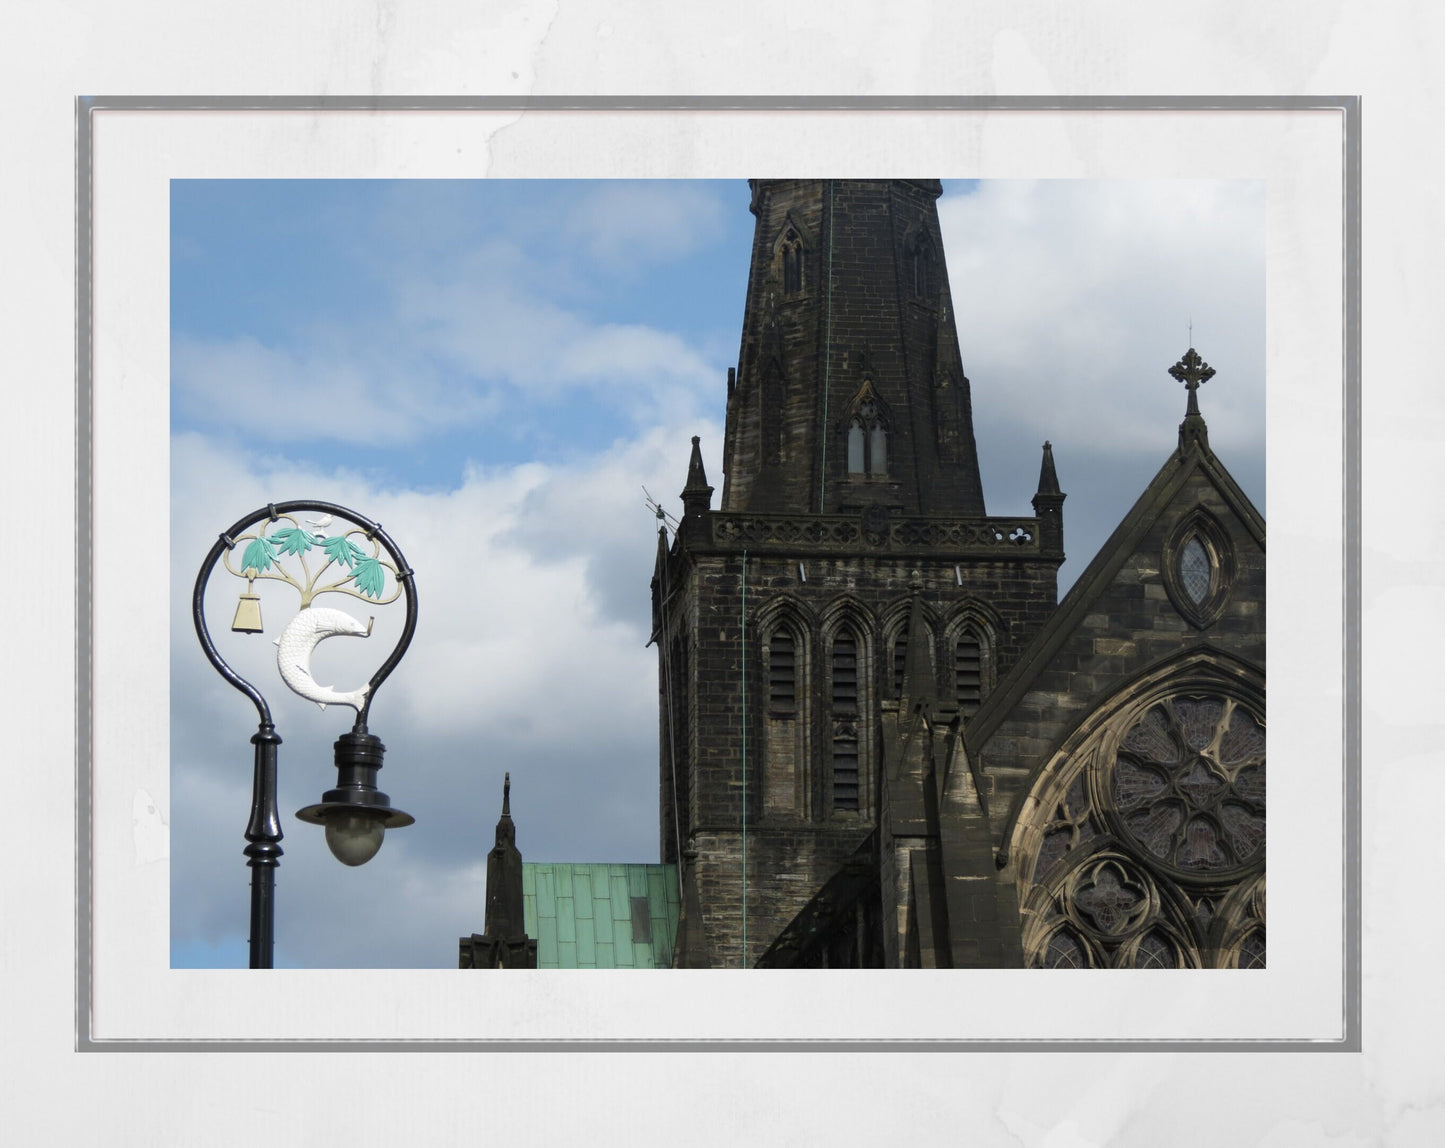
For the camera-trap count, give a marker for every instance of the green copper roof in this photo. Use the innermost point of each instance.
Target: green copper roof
(583, 915)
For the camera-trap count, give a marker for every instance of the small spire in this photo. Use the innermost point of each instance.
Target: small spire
(1048, 477)
(697, 494)
(504, 923)
(1049, 506)
(506, 829)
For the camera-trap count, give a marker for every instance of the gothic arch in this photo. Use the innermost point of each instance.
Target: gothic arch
(1240, 927)
(970, 642)
(848, 608)
(1117, 912)
(787, 686)
(785, 629)
(785, 606)
(868, 425)
(893, 629)
(790, 256)
(847, 691)
(1165, 781)
(922, 265)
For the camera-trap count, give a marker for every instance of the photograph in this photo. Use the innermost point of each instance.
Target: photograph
(825, 573)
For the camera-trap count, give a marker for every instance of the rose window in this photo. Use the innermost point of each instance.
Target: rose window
(1188, 785)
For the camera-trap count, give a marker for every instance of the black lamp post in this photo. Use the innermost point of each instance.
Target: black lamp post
(356, 814)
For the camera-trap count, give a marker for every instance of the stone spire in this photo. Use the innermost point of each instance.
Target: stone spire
(504, 942)
(1049, 506)
(505, 920)
(850, 388)
(697, 494)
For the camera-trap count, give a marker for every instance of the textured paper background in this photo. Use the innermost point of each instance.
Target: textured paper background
(1391, 1093)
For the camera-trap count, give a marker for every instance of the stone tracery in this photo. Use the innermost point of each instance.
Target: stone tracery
(1150, 852)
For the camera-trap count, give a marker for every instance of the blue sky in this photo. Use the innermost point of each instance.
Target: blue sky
(494, 370)
(369, 284)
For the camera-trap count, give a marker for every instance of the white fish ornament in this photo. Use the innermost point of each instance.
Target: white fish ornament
(299, 639)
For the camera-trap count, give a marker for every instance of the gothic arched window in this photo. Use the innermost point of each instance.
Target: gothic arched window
(868, 436)
(968, 685)
(920, 267)
(785, 734)
(792, 257)
(970, 659)
(782, 671)
(857, 450)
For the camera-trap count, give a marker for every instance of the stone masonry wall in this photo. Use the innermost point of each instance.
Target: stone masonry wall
(1131, 626)
(791, 854)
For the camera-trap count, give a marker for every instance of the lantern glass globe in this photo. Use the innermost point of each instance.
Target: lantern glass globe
(354, 837)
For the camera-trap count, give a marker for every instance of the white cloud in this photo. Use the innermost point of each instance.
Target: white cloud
(491, 330)
(314, 392)
(530, 657)
(1085, 292)
(447, 353)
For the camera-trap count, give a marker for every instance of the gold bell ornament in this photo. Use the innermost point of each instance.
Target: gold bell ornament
(248, 611)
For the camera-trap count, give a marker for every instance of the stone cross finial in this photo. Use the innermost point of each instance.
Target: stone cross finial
(1191, 371)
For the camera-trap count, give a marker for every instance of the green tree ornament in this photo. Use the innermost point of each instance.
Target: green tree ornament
(259, 555)
(341, 550)
(370, 577)
(293, 540)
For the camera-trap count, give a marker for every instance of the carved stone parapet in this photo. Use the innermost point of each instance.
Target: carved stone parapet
(998, 538)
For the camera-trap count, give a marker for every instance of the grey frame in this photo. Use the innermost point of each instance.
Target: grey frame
(86, 106)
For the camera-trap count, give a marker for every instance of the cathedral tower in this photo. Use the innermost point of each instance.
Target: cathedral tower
(851, 544)
(850, 389)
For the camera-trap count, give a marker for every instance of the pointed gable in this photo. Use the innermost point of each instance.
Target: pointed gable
(1121, 761)
(1119, 618)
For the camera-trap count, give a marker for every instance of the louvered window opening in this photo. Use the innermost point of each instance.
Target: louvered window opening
(968, 673)
(845, 675)
(845, 737)
(782, 671)
(900, 664)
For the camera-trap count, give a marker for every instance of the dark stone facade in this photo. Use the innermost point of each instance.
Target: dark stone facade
(1141, 710)
(876, 725)
(825, 547)
(848, 307)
